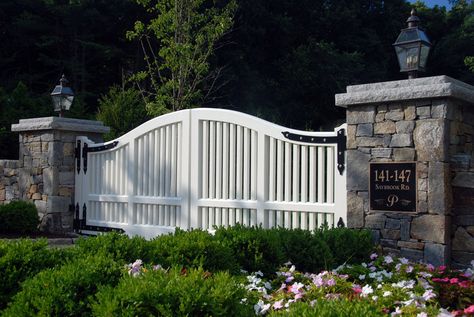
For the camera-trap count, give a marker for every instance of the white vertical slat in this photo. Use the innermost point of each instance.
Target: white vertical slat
(205, 159)
(232, 161)
(219, 160)
(146, 160)
(225, 162)
(330, 174)
(118, 171)
(304, 184)
(272, 157)
(246, 164)
(253, 165)
(313, 165)
(139, 176)
(151, 163)
(162, 161)
(168, 160)
(131, 169)
(246, 171)
(296, 183)
(321, 189)
(173, 161)
(212, 159)
(238, 152)
(287, 214)
(156, 162)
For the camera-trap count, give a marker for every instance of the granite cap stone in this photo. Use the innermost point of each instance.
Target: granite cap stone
(408, 89)
(60, 123)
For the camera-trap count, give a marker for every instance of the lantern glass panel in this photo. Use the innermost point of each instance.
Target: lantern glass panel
(424, 55)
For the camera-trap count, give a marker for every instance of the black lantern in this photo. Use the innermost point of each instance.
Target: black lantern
(412, 47)
(62, 96)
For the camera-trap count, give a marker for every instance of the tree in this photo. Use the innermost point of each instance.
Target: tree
(121, 109)
(177, 43)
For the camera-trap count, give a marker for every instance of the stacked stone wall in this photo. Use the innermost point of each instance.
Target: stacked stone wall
(45, 171)
(402, 132)
(429, 121)
(9, 174)
(462, 167)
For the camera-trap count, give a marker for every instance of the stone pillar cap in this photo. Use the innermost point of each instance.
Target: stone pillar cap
(408, 89)
(60, 123)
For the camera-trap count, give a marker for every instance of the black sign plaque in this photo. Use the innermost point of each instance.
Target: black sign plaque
(392, 186)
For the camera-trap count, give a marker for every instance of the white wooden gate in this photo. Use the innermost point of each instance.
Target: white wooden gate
(204, 167)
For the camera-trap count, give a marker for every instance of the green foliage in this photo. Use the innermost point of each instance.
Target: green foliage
(178, 42)
(65, 291)
(307, 251)
(332, 308)
(172, 293)
(253, 248)
(18, 217)
(347, 245)
(267, 249)
(469, 61)
(22, 259)
(122, 110)
(192, 249)
(116, 246)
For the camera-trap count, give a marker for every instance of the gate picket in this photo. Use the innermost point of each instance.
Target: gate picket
(201, 168)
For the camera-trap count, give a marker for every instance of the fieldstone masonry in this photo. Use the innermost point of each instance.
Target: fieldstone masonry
(44, 172)
(429, 121)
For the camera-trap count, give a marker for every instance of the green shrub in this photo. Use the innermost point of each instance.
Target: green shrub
(254, 248)
(160, 293)
(66, 290)
(192, 249)
(332, 308)
(22, 259)
(117, 246)
(18, 217)
(305, 250)
(347, 245)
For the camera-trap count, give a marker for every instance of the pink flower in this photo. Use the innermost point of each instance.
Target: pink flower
(331, 282)
(430, 267)
(441, 280)
(278, 304)
(454, 280)
(373, 256)
(464, 284)
(441, 268)
(469, 310)
(356, 288)
(428, 294)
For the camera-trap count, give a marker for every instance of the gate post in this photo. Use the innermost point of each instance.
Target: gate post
(428, 125)
(47, 163)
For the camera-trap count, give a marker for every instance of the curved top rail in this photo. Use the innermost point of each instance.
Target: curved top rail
(224, 115)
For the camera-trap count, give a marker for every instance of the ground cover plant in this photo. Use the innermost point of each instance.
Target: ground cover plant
(197, 273)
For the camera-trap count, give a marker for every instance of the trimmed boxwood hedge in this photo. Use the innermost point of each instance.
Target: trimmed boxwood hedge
(38, 280)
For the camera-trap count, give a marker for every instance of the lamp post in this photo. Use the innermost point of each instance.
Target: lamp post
(62, 96)
(412, 47)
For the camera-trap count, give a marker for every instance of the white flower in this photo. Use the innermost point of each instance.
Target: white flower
(374, 298)
(403, 260)
(428, 294)
(422, 314)
(444, 313)
(388, 259)
(267, 285)
(366, 290)
(259, 273)
(409, 269)
(292, 268)
(361, 277)
(387, 293)
(397, 312)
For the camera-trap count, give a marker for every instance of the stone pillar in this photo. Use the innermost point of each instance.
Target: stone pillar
(429, 121)
(46, 168)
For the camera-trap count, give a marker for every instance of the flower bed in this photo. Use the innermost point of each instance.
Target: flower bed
(199, 274)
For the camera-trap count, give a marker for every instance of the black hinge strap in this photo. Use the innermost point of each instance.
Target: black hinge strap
(77, 156)
(339, 139)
